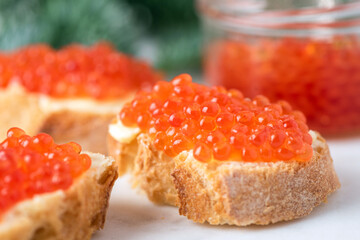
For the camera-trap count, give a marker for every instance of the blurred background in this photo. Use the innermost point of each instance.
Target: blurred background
(166, 33)
(309, 57)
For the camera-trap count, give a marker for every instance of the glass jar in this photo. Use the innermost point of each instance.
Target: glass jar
(306, 52)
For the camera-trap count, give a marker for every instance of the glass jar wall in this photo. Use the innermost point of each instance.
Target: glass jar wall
(305, 52)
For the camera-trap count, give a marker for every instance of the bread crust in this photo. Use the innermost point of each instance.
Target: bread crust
(151, 172)
(235, 193)
(240, 193)
(150, 168)
(73, 214)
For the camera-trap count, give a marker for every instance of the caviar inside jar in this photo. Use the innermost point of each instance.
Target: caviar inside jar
(76, 71)
(218, 124)
(36, 165)
(320, 77)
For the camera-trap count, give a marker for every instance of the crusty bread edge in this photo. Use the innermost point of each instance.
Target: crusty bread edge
(73, 214)
(199, 187)
(239, 193)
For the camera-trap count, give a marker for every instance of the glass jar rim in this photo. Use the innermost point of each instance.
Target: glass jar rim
(339, 19)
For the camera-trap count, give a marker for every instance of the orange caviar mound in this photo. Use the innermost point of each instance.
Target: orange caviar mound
(218, 124)
(320, 77)
(98, 71)
(36, 165)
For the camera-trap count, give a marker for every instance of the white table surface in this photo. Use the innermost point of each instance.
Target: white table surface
(132, 216)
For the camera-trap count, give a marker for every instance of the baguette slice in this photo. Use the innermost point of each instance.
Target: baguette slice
(34, 77)
(234, 193)
(64, 215)
(84, 121)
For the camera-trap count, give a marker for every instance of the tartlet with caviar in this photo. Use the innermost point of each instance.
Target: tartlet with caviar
(50, 191)
(71, 93)
(220, 157)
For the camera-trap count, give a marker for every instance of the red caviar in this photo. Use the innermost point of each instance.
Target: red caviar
(218, 124)
(98, 71)
(36, 165)
(321, 77)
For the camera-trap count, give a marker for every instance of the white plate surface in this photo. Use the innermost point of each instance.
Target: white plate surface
(132, 216)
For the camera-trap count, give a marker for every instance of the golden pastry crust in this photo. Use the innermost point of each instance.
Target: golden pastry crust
(73, 214)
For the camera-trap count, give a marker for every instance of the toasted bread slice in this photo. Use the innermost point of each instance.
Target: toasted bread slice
(72, 214)
(229, 192)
